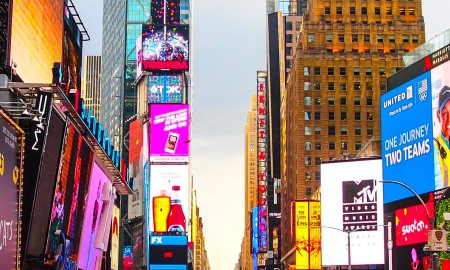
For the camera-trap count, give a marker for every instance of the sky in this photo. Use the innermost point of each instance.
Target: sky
(229, 48)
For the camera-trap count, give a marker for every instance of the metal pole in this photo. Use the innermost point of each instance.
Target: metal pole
(348, 251)
(435, 261)
(390, 244)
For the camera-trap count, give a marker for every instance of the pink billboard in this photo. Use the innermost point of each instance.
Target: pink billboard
(169, 132)
(412, 224)
(97, 220)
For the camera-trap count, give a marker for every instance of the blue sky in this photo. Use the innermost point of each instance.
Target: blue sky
(229, 47)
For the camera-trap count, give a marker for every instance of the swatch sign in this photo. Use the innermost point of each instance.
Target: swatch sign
(412, 224)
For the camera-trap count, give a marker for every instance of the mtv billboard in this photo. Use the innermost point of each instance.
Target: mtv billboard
(415, 128)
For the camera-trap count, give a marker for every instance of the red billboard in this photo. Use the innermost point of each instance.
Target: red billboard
(412, 224)
(11, 149)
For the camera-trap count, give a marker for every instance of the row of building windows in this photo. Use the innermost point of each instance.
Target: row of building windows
(331, 146)
(331, 116)
(344, 130)
(342, 87)
(343, 71)
(331, 102)
(308, 177)
(377, 10)
(381, 38)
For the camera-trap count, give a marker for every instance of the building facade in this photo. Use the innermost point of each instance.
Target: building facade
(339, 70)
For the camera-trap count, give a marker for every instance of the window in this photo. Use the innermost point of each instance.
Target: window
(311, 37)
(392, 38)
(342, 71)
(317, 130)
(307, 116)
(330, 70)
(382, 71)
(317, 175)
(308, 146)
(308, 160)
(352, 10)
(377, 11)
(344, 146)
(370, 131)
(317, 101)
(317, 160)
(383, 86)
(401, 11)
(329, 38)
(318, 146)
(388, 11)
(380, 38)
(356, 86)
(331, 86)
(307, 130)
(344, 131)
(327, 10)
(369, 86)
(368, 71)
(317, 71)
(331, 101)
(330, 115)
(306, 71)
(356, 71)
(288, 38)
(316, 85)
(341, 37)
(307, 86)
(308, 101)
(316, 115)
(366, 38)
(343, 86)
(357, 146)
(415, 39)
(343, 101)
(369, 101)
(343, 115)
(405, 38)
(357, 101)
(331, 146)
(357, 116)
(357, 131)
(331, 130)
(308, 177)
(410, 11)
(308, 190)
(369, 116)
(338, 10)
(364, 10)
(354, 37)
(288, 25)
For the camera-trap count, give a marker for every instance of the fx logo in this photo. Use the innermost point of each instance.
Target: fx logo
(157, 240)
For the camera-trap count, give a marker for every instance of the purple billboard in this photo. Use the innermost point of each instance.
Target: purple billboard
(169, 133)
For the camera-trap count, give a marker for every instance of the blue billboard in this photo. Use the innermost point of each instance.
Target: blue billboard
(415, 130)
(255, 241)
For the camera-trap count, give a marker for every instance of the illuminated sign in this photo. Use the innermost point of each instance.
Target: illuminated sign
(412, 224)
(165, 47)
(168, 252)
(262, 159)
(255, 237)
(136, 164)
(165, 88)
(169, 132)
(165, 11)
(115, 238)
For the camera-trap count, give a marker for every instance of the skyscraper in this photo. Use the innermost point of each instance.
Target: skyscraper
(344, 55)
(90, 89)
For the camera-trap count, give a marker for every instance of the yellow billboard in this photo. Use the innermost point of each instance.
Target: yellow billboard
(307, 235)
(115, 238)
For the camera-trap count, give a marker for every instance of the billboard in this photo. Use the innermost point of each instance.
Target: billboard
(255, 248)
(414, 134)
(115, 238)
(97, 220)
(136, 162)
(165, 47)
(11, 151)
(352, 202)
(165, 11)
(68, 198)
(307, 234)
(412, 224)
(169, 198)
(169, 132)
(165, 88)
(168, 252)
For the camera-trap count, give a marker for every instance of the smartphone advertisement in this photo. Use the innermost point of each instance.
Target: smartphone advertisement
(169, 133)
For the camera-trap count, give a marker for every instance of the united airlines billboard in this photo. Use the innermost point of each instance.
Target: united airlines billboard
(415, 131)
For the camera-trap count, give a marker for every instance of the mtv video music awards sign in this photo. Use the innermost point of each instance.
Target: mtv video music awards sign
(414, 134)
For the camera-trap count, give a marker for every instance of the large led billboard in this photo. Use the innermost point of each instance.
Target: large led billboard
(255, 242)
(412, 224)
(97, 220)
(115, 238)
(11, 151)
(165, 11)
(415, 132)
(165, 47)
(168, 252)
(136, 172)
(307, 229)
(352, 201)
(169, 132)
(165, 88)
(169, 198)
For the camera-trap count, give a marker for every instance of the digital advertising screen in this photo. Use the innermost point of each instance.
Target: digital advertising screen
(165, 11)
(307, 235)
(165, 47)
(415, 132)
(411, 257)
(168, 252)
(412, 224)
(11, 151)
(169, 132)
(165, 88)
(97, 219)
(255, 248)
(352, 201)
(136, 170)
(169, 198)
(71, 185)
(115, 228)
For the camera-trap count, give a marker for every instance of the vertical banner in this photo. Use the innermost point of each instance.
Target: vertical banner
(307, 235)
(136, 168)
(115, 238)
